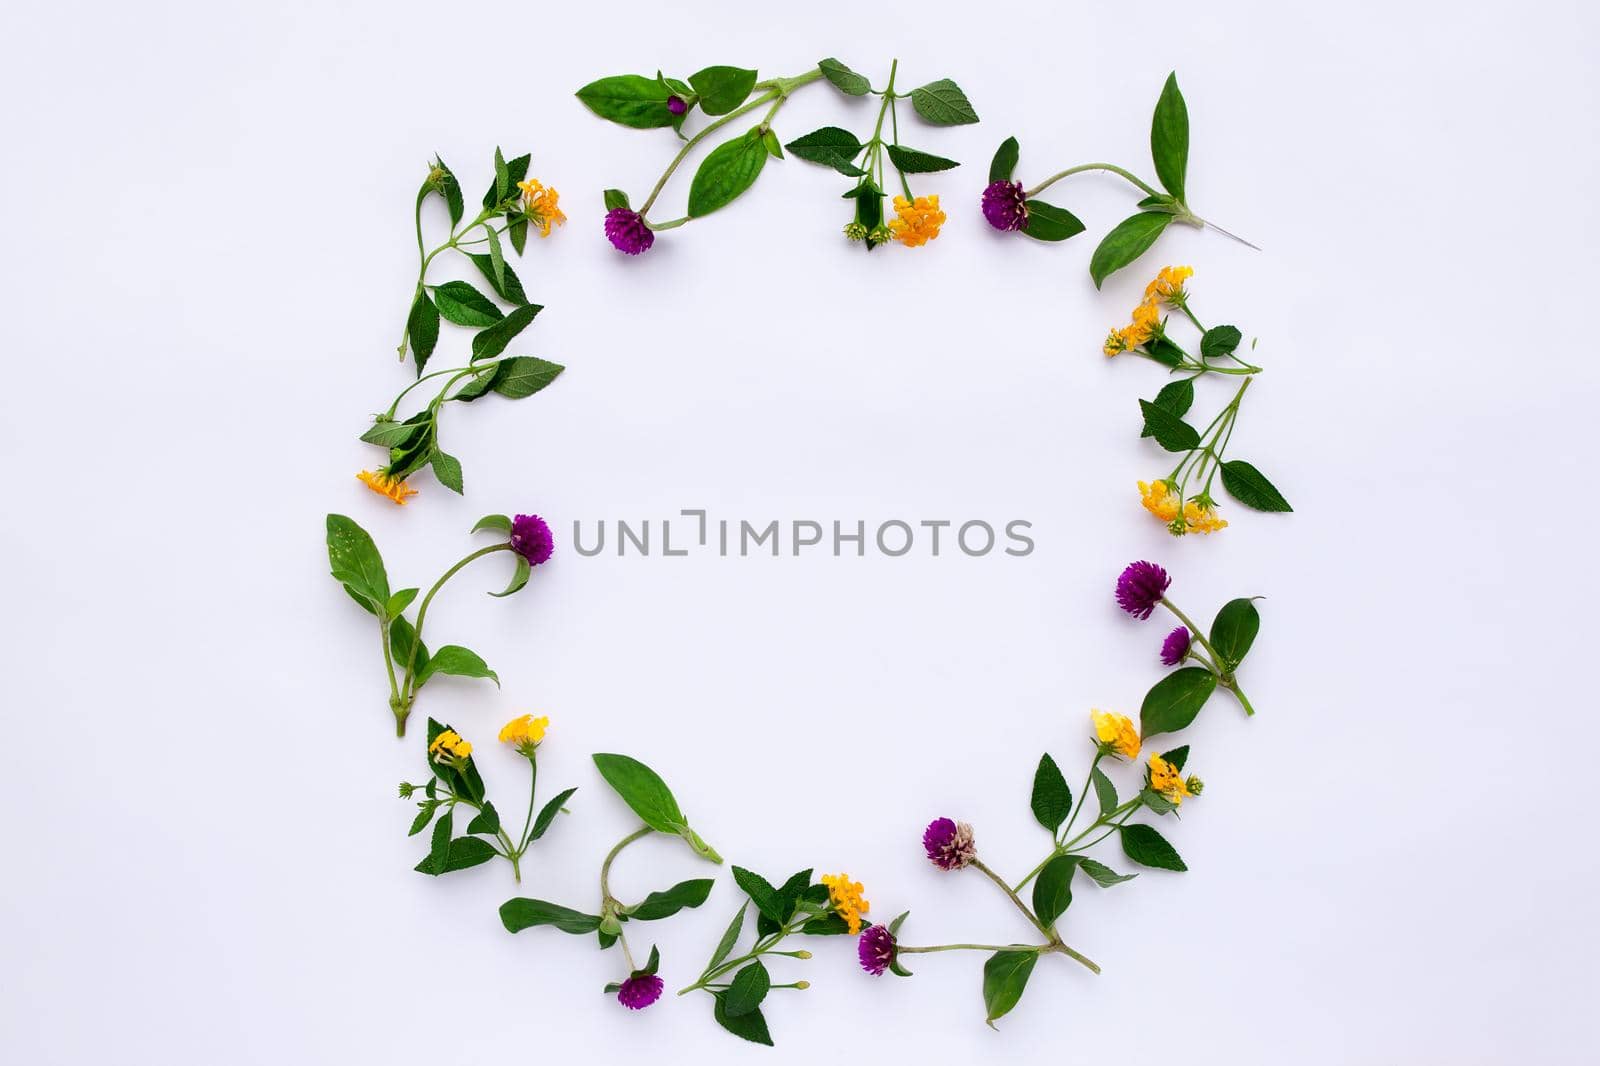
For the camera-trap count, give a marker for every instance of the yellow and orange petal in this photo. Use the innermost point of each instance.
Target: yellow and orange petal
(1116, 343)
(449, 743)
(916, 222)
(524, 731)
(1160, 500)
(540, 201)
(845, 896)
(1146, 321)
(1168, 285)
(1118, 731)
(1202, 519)
(1167, 779)
(393, 488)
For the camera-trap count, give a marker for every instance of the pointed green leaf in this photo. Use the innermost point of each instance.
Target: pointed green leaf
(844, 79)
(1234, 630)
(943, 103)
(422, 329)
(355, 563)
(748, 989)
(459, 661)
(730, 937)
(642, 789)
(730, 169)
(1169, 137)
(1052, 889)
(1250, 487)
(523, 375)
(1170, 431)
(491, 342)
(522, 913)
(1145, 846)
(913, 161)
(1005, 978)
(1174, 701)
(751, 1026)
(666, 903)
(1052, 799)
(447, 468)
(1005, 161)
(1131, 238)
(1103, 875)
(721, 89)
(1047, 222)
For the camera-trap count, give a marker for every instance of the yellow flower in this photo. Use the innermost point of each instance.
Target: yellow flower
(917, 221)
(540, 202)
(1202, 519)
(525, 732)
(1168, 285)
(1168, 780)
(1160, 500)
(1146, 321)
(450, 745)
(1118, 731)
(845, 895)
(384, 485)
(1116, 342)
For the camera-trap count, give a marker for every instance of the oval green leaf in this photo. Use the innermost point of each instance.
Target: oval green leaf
(1174, 701)
(1131, 238)
(1169, 137)
(730, 169)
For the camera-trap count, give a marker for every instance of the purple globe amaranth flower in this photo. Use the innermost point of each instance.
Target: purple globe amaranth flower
(875, 948)
(949, 843)
(626, 231)
(1140, 587)
(1175, 647)
(531, 538)
(640, 990)
(676, 104)
(1005, 205)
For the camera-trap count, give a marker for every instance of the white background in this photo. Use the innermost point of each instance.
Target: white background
(208, 258)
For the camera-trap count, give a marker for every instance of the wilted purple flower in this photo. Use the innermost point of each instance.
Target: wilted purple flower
(640, 990)
(1140, 588)
(949, 843)
(875, 949)
(531, 538)
(626, 231)
(676, 105)
(1175, 647)
(1005, 205)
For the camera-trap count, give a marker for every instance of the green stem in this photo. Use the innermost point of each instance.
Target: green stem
(408, 692)
(611, 856)
(906, 949)
(1225, 679)
(1010, 894)
(1083, 793)
(1046, 183)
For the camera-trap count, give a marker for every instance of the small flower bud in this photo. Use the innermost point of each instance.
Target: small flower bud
(802, 954)
(855, 231)
(406, 789)
(676, 104)
(1195, 785)
(802, 985)
(880, 234)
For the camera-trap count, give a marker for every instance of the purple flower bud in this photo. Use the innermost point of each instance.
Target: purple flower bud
(875, 948)
(1175, 647)
(676, 105)
(531, 538)
(626, 231)
(949, 843)
(1140, 588)
(640, 990)
(1005, 205)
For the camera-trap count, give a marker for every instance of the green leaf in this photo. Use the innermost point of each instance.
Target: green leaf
(748, 989)
(642, 789)
(830, 146)
(1176, 397)
(488, 343)
(1170, 431)
(615, 198)
(401, 639)
(1233, 631)
(1052, 889)
(1220, 341)
(913, 161)
(769, 140)
(629, 100)
(731, 168)
(761, 893)
(464, 305)
(1005, 978)
(1131, 238)
(1103, 875)
(447, 468)
(547, 814)
(523, 375)
(844, 79)
(487, 820)
(506, 284)
(1052, 799)
(464, 853)
(1047, 222)
(1005, 161)
(458, 661)
(451, 188)
(422, 329)
(439, 847)
(1105, 793)
(1145, 846)
(751, 1026)
(721, 89)
(943, 103)
(1164, 351)
(479, 385)
(497, 258)
(517, 231)
(502, 180)
(424, 816)
(392, 434)
(499, 523)
(519, 578)
(666, 903)
(730, 937)
(1172, 703)
(1169, 137)
(522, 913)
(355, 563)
(1177, 756)
(1250, 487)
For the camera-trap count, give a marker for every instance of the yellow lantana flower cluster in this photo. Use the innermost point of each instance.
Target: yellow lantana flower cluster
(540, 201)
(393, 488)
(1118, 731)
(524, 732)
(916, 222)
(1168, 286)
(1161, 499)
(449, 745)
(1167, 779)
(845, 896)
(1146, 320)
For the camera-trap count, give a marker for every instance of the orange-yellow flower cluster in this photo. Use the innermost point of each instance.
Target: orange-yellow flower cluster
(1167, 779)
(916, 222)
(1166, 288)
(392, 487)
(1163, 501)
(845, 896)
(540, 201)
(449, 745)
(525, 732)
(1117, 730)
